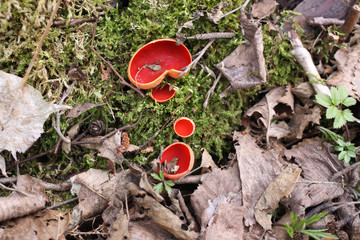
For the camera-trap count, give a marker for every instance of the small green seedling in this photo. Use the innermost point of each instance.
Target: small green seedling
(300, 226)
(346, 149)
(167, 183)
(339, 97)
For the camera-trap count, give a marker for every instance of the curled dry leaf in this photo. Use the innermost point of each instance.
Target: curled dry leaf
(245, 66)
(207, 163)
(281, 187)
(216, 14)
(78, 109)
(30, 198)
(258, 168)
(3, 166)
(263, 8)
(22, 114)
(161, 215)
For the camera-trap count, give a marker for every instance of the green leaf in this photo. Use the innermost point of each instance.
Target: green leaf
(168, 189)
(331, 112)
(342, 94)
(317, 233)
(348, 115)
(161, 174)
(155, 176)
(351, 154)
(339, 121)
(334, 96)
(341, 142)
(349, 101)
(323, 99)
(347, 158)
(342, 155)
(170, 183)
(316, 217)
(158, 187)
(339, 148)
(289, 230)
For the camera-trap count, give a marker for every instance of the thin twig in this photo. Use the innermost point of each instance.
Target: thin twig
(345, 170)
(15, 190)
(122, 80)
(42, 40)
(193, 63)
(63, 203)
(211, 90)
(73, 21)
(236, 9)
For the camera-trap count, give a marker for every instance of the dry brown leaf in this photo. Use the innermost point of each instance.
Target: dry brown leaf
(245, 67)
(279, 130)
(258, 168)
(281, 187)
(303, 92)
(105, 73)
(147, 230)
(278, 103)
(119, 228)
(145, 185)
(108, 148)
(226, 218)
(78, 109)
(161, 215)
(3, 166)
(348, 73)
(17, 204)
(23, 113)
(216, 14)
(350, 210)
(303, 116)
(207, 163)
(217, 183)
(48, 224)
(263, 8)
(318, 166)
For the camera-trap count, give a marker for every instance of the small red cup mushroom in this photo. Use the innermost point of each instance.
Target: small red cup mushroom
(162, 93)
(184, 127)
(183, 154)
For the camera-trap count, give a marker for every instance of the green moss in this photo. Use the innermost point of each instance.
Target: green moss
(119, 34)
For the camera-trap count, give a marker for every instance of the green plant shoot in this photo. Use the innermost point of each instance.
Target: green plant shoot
(346, 149)
(334, 103)
(300, 226)
(163, 183)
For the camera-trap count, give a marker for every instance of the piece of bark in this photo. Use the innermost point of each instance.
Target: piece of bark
(351, 19)
(263, 8)
(258, 168)
(315, 186)
(245, 67)
(160, 214)
(214, 184)
(348, 73)
(281, 187)
(303, 57)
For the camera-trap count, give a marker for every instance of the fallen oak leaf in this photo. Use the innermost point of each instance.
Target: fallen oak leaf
(78, 109)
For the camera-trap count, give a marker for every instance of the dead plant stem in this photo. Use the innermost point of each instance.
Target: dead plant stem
(122, 80)
(344, 171)
(350, 21)
(42, 40)
(63, 203)
(211, 90)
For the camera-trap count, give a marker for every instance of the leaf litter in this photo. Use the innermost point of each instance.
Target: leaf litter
(239, 198)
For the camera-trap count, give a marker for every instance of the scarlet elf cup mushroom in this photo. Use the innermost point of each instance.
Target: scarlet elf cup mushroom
(184, 127)
(184, 157)
(152, 62)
